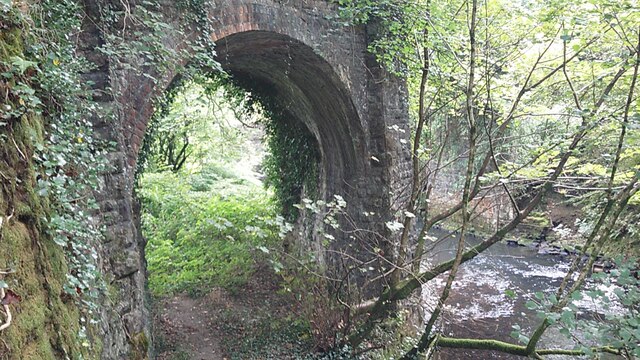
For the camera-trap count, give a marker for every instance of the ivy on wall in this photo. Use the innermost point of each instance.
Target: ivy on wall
(42, 81)
(291, 165)
(293, 157)
(46, 79)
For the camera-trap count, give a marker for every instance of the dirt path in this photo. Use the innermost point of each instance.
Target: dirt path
(190, 327)
(255, 323)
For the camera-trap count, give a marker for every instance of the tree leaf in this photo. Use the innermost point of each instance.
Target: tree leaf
(531, 305)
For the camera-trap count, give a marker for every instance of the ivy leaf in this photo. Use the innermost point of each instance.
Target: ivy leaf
(576, 295)
(531, 305)
(21, 64)
(522, 338)
(567, 318)
(3, 285)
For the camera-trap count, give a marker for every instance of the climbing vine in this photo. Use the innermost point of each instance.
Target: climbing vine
(45, 80)
(292, 162)
(397, 27)
(291, 165)
(151, 149)
(199, 52)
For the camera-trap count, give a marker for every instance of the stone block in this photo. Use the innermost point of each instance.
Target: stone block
(125, 263)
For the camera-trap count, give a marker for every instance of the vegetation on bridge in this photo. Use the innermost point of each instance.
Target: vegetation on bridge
(512, 104)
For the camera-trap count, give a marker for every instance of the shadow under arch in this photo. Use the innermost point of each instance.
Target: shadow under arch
(318, 71)
(304, 85)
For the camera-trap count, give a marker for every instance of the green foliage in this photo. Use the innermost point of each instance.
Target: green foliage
(621, 329)
(136, 35)
(292, 161)
(70, 157)
(194, 125)
(616, 296)
(134, 38)
(199, 239)
(196, 110)
(510, 36)
(547, 76)
(398, 24)
(293, 157)
(45, 79)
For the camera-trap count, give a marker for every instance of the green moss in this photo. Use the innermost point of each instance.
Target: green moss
(26, 337)
(113, 293)
(22, 209)
(538, 219)
(10, 43)
(43, 326)
(139, 346)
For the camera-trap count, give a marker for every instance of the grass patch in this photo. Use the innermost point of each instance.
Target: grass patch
(202, 236)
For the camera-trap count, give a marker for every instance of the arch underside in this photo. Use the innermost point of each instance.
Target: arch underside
(301, 82)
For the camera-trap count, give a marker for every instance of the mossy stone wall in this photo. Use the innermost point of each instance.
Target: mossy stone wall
(45, 322)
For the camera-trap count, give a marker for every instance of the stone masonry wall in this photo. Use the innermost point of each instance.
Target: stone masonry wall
(319, 70)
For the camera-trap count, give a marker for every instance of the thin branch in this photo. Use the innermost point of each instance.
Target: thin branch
(405, 288)
(514, 349)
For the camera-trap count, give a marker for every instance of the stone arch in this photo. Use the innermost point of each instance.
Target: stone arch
(305, 85)
(288, 29)
(320, 72)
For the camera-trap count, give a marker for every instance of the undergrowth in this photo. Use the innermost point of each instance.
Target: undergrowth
(203, 230)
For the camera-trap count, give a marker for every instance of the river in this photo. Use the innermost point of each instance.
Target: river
(479, 306)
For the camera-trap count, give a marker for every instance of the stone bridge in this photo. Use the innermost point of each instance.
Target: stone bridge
(319, 71)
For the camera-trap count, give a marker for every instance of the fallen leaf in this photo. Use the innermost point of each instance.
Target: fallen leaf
(10, 298)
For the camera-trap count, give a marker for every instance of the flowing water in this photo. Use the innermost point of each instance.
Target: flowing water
(479, 306)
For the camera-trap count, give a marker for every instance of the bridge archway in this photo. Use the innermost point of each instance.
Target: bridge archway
(299, 81)
(291, 52)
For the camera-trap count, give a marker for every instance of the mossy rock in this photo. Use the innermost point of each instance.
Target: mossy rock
(10, 43)
(139, 346)
(44, 326)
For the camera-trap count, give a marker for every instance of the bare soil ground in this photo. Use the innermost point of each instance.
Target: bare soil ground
(256, 322)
